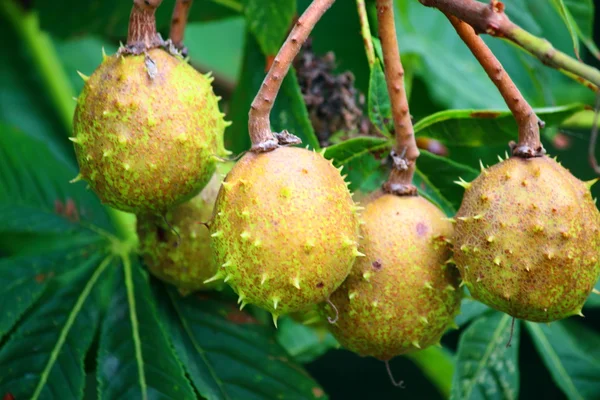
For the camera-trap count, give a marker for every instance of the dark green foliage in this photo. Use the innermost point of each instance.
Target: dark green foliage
(81, 318)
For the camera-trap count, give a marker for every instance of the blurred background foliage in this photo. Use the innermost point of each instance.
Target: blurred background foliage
(45, 43)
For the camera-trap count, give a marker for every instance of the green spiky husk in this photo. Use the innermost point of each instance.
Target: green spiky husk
(527, 239)
(145, 145)
(285, 229)
(187, 260)
(402, 296)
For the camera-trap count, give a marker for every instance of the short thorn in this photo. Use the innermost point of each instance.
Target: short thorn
(275, 303)
(461, 182)
(490, 239)
(74, 140)
(497, 260)
(596, 292)
(296, 283)
(450, 287)
(506, 156)
(424, 320)
(275, 317)
(104, 56)
(462, 283)
(416, 344)
(227, 185)
(84, 77)
(263, 279)
(352, 295)
(482, 167)
(242, 305)
(227, 278)
(579, 313)
(76, 179)
(215, 277)
(227, 264)
(452, 220)
(217, 234)
(500, 158)
(590, 183)
(358, 253)
(428, 285)
(241, 299)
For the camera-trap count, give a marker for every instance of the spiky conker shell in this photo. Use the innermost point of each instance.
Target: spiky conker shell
(146, 144)
(285, 229)
(402, 296)
(185, 261)
(527, 239)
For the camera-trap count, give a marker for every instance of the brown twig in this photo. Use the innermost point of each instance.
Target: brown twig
(142, 34)
(491, 19)
(259, 126)
(179, 22)
(406, 151)
(528, 123)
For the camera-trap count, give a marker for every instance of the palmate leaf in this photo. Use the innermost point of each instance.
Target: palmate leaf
(135, 359)
(485, 368)
(43, 359)
(23, 279)
(35, 188)
(229, 355)
(269, 21)
(474, 128)
(570, 353)
(304, 343)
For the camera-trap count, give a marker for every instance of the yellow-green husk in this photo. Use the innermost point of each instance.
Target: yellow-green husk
(527, 239)
(403, 295)
(146, 133)
(285, 229)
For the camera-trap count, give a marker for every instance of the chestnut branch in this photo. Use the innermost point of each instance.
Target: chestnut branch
(178, 24)
(528, 123)
(406, 151)
(142, 34)
(259, 125)
(491, 19)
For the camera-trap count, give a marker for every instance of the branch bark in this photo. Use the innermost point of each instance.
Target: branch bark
(142, 34)
(179, 22)
(406, 151)
(491, 19)
(528, 123)
(259, 125)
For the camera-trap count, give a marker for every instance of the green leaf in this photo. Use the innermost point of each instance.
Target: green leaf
(211, 50)
(578, 16)
(471, 309)
(135, 356)
(269, 21)
(24, 104)
(44, 358)
(474, 128)
(229, 355)
(304, 343)
(24, 279)
(442, 172)
(485, 368)
(36, 188)
(564, 13)
(364, 160)
(432, 193)
(380, 109)
(573, 368)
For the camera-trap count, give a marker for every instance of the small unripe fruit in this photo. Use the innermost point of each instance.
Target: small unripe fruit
(147, 130)
(185, 259)
(402, 296)
(527, 239)
(285, 229)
